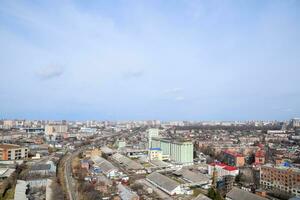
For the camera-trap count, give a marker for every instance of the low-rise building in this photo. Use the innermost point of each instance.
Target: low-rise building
(155, 154)
(260, 157)
(222, 169)
(239, 194)
(12, 152)
(233, 158)
(165, 183)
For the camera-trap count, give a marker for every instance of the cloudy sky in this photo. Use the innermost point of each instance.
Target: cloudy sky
(168, 60)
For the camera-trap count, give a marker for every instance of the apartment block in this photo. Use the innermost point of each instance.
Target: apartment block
(13, 152)
(233, 158)
(280, 177)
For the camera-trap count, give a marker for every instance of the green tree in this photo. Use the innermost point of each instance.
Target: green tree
(214, 194)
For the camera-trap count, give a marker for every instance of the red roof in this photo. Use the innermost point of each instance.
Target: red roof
(230, 168)
(233, 153)
(260, 154)
(224, 166)
(218, 164)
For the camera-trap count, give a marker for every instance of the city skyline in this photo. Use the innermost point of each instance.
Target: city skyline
(127, 60)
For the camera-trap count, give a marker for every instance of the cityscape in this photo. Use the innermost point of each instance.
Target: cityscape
(153, 159)
(150, 100)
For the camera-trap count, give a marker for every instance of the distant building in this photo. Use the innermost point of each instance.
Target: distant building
(52, 129)
(222, 169)
(92, 152)
(233, 158)
(13, 152)
(7, 124)
(120, 144)
(282, 178)
(295, 123)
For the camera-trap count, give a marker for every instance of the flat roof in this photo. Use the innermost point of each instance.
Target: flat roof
(163, 181)
(193, 176)
(9, 146)
(237, 194)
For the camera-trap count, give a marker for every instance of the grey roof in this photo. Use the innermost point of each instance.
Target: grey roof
(6, 172)
(202, 197)
(106, 150)
(129, 164)
(103, 164)
(238, 194)
(295, 198)
(159, 163)
(40, 167)
(125, 193)
(192, 177)
(163, 181)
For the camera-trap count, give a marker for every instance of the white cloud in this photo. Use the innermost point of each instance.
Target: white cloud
(174, 90)
(50, 71)
(180, 98)
(130, 74)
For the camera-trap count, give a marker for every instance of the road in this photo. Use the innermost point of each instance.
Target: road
(70, 181)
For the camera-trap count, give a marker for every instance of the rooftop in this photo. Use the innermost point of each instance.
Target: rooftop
(103, 164)
(235, 154)
(238, 194)
(163, 181)
(224, 166)
(129, 164)
(192, 176)
(9, 146)
(41, 167)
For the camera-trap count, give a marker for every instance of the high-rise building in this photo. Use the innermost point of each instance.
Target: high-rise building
(280, 177)
(180, 152)
(51, 129)
(152, 132)
(295, 123)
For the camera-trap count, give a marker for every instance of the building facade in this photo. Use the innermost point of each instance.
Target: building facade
(282, 178)
(181, 152)
(233, 158)
(153, 132)
(222, 169)
(13, 152)
(155, 154)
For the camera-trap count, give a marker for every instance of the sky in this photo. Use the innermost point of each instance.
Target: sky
(140, 60)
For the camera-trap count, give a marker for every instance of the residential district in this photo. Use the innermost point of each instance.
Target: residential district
(78, 160)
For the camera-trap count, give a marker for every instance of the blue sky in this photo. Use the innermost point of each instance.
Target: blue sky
(168, 60)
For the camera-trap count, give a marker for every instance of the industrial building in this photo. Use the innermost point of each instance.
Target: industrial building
(164, 183)
(180, 152)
